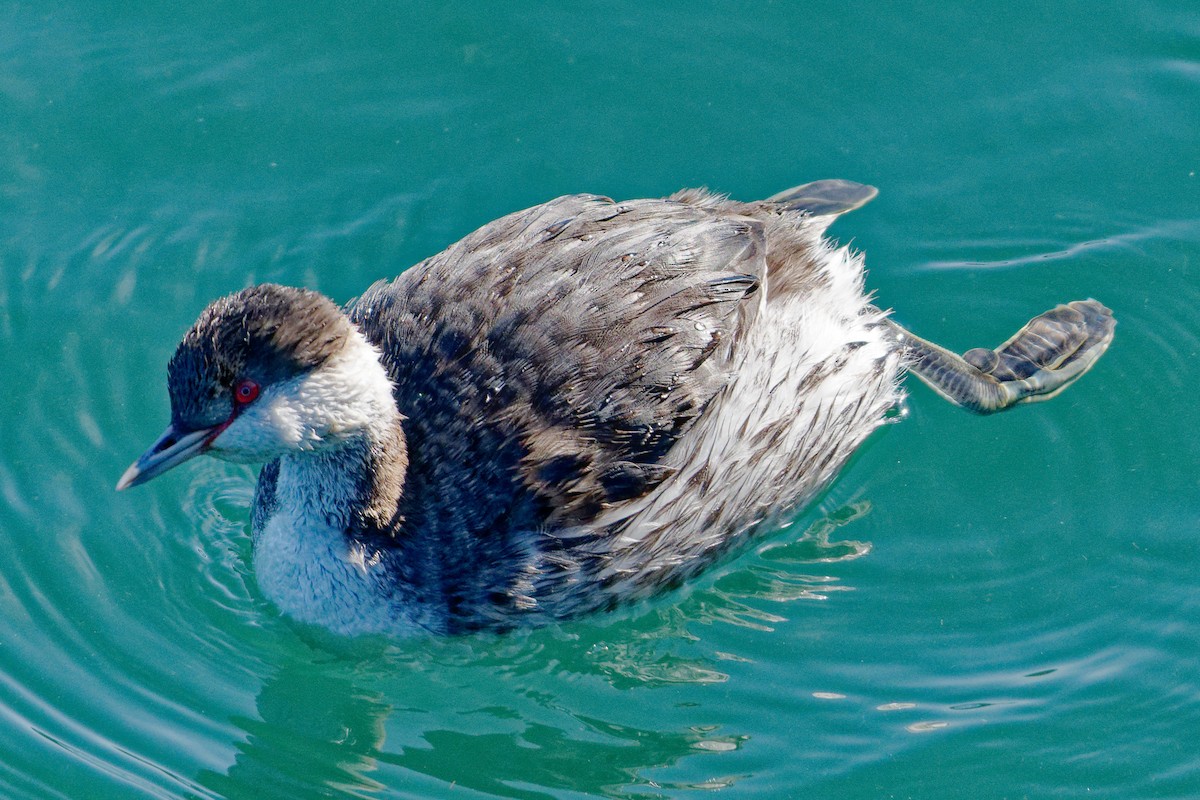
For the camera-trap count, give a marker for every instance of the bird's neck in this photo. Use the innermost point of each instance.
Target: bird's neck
(318, 555)
(354, 486)
(354, 481)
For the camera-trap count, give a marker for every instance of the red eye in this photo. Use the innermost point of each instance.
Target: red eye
(245, 392)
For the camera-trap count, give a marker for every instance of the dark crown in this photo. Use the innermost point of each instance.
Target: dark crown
(266, 333)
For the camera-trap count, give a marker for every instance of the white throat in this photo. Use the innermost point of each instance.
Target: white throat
(332, 424)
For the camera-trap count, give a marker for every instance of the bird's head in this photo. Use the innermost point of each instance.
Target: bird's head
(264, 372)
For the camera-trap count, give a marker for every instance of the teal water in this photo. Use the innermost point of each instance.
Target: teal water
(989, 608)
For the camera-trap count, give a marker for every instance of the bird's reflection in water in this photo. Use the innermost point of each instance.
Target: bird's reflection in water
(318, 733)
(491, 713)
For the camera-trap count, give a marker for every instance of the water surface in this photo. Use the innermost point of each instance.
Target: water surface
(999, 607)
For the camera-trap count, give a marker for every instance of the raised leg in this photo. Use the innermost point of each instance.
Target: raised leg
(1038, 362)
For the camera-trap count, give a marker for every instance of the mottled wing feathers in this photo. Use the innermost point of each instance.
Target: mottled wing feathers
(590, 333)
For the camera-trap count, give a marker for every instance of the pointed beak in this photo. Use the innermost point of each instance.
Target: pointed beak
(172, 449)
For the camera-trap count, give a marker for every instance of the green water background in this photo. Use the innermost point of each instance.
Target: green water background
(986, 608)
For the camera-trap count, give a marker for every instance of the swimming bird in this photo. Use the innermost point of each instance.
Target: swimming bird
(573, 407)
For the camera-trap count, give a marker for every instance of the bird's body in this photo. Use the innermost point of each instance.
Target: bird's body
(575, 406)
(581, 436)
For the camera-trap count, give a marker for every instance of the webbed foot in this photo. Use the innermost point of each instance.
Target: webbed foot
(1039, 361)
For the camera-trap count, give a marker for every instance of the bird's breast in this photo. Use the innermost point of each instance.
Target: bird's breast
(315, 573)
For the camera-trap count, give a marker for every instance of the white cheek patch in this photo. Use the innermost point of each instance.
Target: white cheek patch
(345, 397)
(260, 432)
(280, 416)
